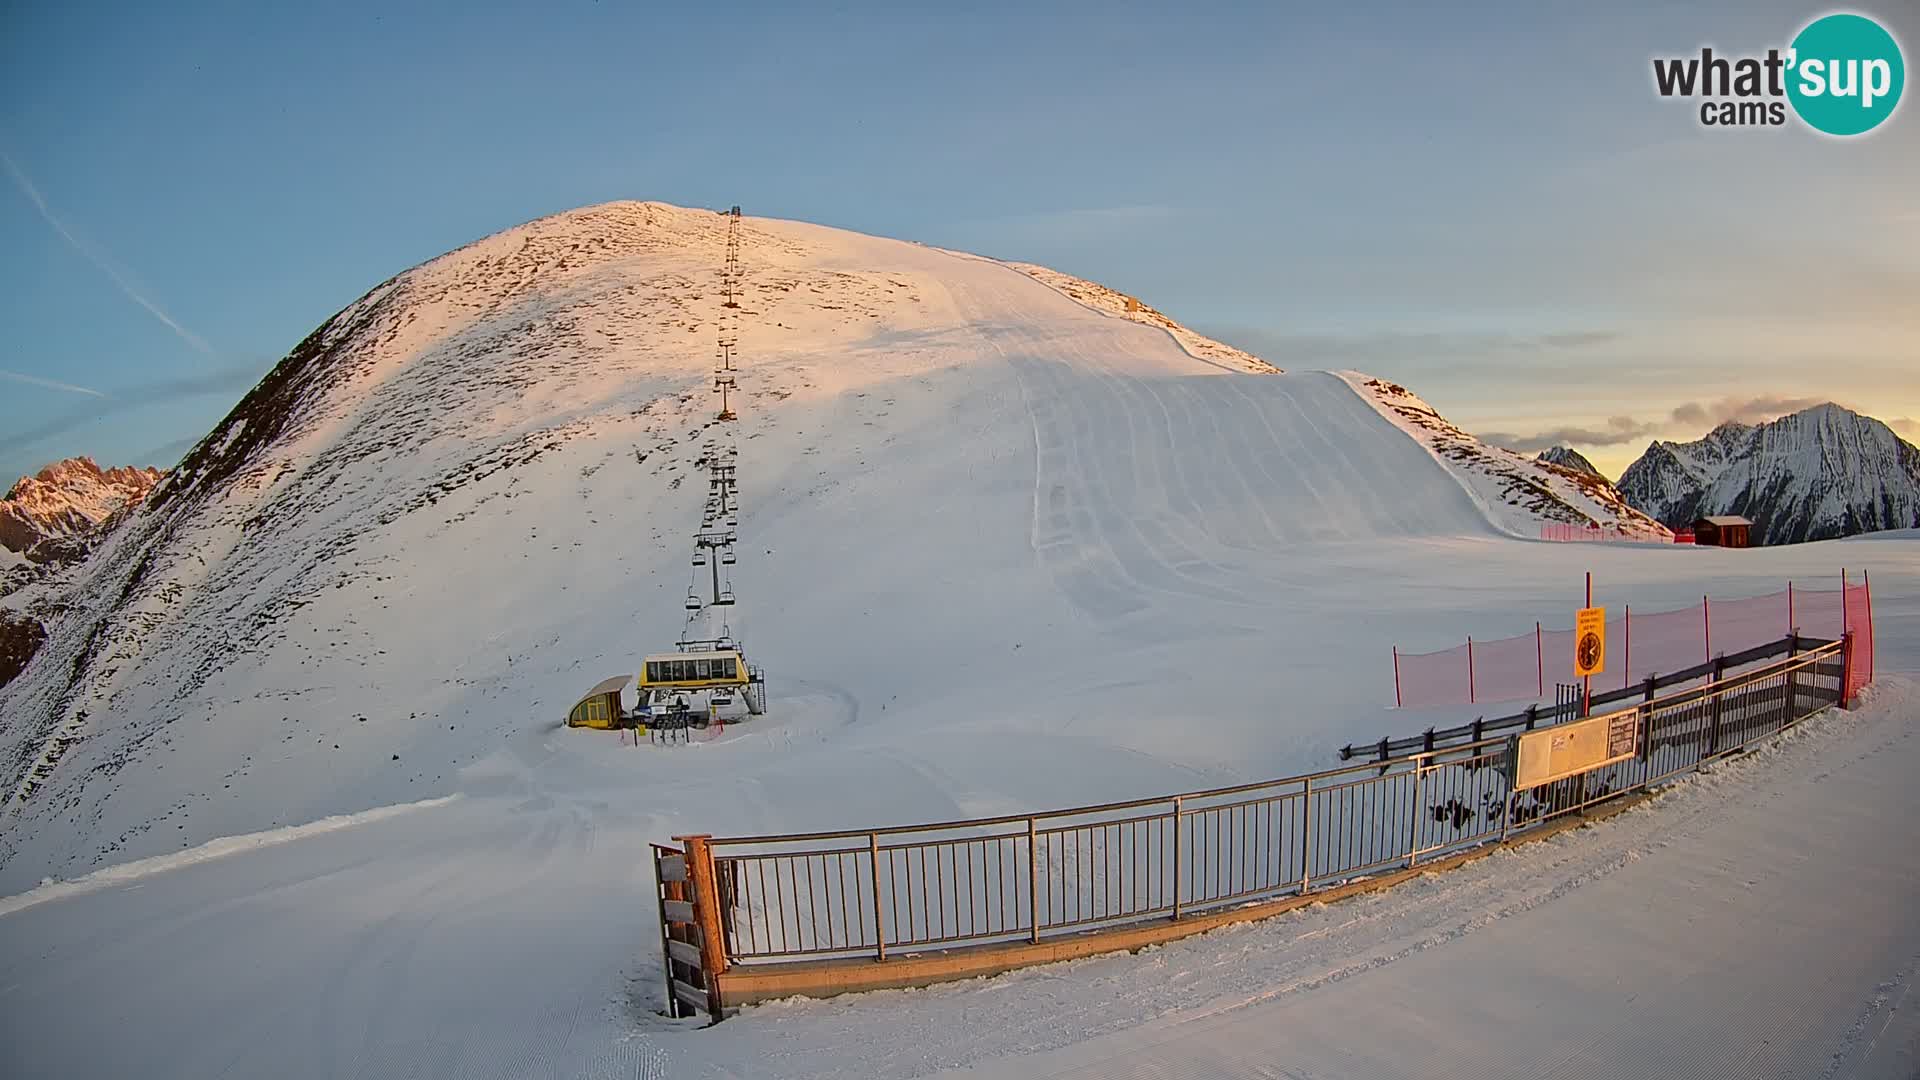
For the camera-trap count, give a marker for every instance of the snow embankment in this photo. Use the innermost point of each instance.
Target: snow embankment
(129, 872)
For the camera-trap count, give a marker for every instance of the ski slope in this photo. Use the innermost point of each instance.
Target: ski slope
(1000, 551)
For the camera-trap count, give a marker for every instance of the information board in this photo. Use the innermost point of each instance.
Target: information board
(1569, 749)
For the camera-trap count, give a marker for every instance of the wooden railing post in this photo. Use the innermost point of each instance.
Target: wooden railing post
(1413, 831)
(1793, 682)
(1176, 856)
(1306, 834)
(879, 920)
(1713, 695)
(1033, 878)
(706, 914)
(665, 890)
(1846, 663)
(1513, 777)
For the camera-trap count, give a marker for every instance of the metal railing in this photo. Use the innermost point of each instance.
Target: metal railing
(882, 892)
(1534, 716)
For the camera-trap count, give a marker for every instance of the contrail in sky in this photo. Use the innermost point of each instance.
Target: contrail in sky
(106, 267)
(51, 384)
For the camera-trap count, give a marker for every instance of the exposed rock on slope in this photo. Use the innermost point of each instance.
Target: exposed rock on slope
(1517, 492)
(1101, 298)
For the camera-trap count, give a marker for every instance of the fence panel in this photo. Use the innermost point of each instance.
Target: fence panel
(1435, 678)
(1014, 879)
(1639, 644)
(1509, 669)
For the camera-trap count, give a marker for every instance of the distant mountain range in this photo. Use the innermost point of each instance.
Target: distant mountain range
(1819, 473)
(67, 501)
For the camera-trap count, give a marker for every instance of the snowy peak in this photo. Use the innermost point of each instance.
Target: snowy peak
(1568, 458)
(68, 499)
(1822, 472)
(1517, 493)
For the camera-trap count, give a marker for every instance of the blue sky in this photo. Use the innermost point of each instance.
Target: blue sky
(1487, 202)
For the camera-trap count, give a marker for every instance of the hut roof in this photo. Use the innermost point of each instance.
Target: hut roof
(604, 686)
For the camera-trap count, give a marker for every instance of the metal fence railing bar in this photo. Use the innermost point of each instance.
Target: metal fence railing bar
(945, 885)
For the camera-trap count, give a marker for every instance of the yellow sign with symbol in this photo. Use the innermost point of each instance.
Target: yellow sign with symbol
(1590, 641)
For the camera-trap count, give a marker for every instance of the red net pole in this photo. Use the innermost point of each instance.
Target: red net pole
(1790, 623)
(1706, 623)
(1470, 691)
(1586, 684)
(1846, 635)
(1539, 662)
(1396, 677)
(1866, 583)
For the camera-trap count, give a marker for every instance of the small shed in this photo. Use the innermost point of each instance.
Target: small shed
(1722, 530)
(600, 707)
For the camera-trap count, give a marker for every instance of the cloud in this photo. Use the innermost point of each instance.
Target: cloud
(1619, 429)
(50, 384)
(1496, 348)
(99, 260)
(1754, 410)
(1688, 416)
(139, 396)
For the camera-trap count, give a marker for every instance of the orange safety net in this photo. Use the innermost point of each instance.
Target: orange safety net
(1859, 623)
(1639, 644)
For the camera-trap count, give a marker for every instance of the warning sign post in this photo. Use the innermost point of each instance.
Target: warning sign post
(1590, 641)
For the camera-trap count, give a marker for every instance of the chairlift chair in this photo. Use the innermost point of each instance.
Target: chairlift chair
(726, 557)
(725, 599)
(699, 558)
(693, 601)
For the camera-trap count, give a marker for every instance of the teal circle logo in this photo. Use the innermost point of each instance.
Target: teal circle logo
(1845, 74)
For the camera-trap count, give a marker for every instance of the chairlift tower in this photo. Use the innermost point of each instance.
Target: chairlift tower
(720, 543)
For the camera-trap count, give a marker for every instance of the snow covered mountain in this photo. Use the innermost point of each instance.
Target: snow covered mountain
(1819, 473)
(67, 499)
(468, 496)
(1516, 492)
(1568, 458)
